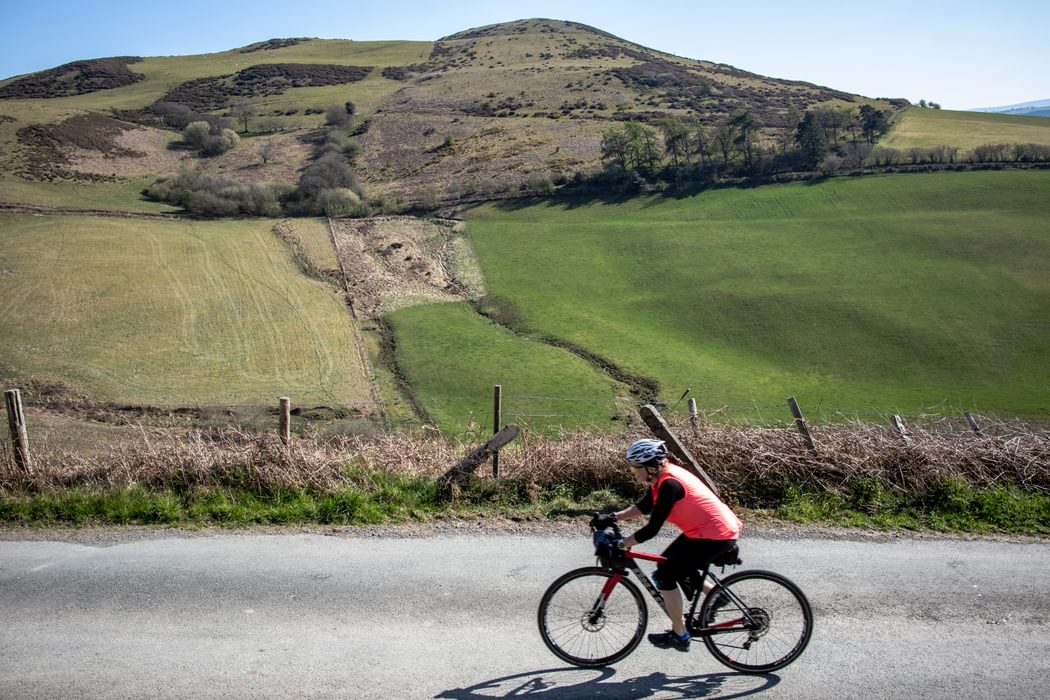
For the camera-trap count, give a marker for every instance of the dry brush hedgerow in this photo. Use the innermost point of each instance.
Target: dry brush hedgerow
(745, 461)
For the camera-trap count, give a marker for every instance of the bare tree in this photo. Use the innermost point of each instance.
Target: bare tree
(725, 137)
(615, 147)
(701, 142)
(643, 146)
(268, 151)
(747, 128)
(243, 111)
(675, 130)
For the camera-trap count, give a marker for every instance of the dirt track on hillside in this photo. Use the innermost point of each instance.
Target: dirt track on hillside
(62, 211)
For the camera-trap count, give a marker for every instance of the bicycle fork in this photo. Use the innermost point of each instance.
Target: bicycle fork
(611, 583)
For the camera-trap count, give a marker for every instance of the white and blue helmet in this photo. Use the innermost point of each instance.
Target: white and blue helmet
(646, 452)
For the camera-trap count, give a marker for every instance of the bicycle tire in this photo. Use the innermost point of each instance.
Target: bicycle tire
(572, 628)
(781, 608)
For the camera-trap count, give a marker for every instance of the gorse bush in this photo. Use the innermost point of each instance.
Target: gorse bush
(210, 139)
(211, 196)
(327, 186)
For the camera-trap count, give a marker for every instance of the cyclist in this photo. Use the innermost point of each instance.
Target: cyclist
(709, 528)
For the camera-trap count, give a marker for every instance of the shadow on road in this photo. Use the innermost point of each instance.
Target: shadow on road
(565, 683)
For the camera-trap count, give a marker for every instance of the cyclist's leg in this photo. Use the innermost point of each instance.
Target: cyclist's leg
(683, 556)
(678, 563)
(711, 550)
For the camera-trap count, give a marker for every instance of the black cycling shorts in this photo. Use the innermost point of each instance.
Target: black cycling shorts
(686, 555)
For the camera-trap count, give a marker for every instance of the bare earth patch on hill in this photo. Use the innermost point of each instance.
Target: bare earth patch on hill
(89, 147)
(404, 155)
(394, 262)
(132, 152)
(288, 155)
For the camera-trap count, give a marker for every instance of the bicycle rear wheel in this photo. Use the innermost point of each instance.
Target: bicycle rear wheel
(585, 627)
(773, 633)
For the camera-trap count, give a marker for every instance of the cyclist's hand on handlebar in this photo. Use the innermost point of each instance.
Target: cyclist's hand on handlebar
(600, 521)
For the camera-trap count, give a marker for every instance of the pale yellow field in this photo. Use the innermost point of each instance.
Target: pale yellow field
(316, 241)
(925, 128)
(172, 313)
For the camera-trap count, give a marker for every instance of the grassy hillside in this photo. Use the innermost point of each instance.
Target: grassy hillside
(105, 171)
(472, 114)
(453, 358)
(861, 296)
(538, 95)
(926, 128)
(172, 313)
(162, 73)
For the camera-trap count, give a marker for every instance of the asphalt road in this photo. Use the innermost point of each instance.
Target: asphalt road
(452, 615)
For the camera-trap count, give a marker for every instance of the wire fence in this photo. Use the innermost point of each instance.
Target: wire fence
(466, 413)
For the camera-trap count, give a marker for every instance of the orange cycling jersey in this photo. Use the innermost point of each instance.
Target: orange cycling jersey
(700, 514)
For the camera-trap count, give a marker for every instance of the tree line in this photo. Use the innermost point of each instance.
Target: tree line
(826, 139)
(670, 149)
(739, 145)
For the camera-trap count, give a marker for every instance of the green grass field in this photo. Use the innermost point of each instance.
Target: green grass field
(926, 128)
(901, 294)
(453, 358)
(171, 313)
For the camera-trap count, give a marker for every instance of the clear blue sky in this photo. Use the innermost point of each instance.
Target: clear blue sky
(961, 54)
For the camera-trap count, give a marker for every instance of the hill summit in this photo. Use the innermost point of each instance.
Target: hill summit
(473, 114)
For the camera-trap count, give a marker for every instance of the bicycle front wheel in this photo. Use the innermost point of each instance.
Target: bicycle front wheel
(773, 631)
(589, 620)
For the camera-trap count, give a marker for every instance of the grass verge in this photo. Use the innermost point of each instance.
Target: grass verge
(859, 475)
(951, 506)
(377, 498)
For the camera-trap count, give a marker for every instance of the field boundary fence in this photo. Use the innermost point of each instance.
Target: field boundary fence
(901, 451)
(603, 413)
(565, 414)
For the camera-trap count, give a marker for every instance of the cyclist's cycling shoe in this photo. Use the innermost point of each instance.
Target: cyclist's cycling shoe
(670, 640)
(720, 601)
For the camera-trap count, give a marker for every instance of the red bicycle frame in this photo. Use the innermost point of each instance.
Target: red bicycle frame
(631, 555)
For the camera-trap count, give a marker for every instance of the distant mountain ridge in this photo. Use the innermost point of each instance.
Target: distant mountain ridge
(1035, 108)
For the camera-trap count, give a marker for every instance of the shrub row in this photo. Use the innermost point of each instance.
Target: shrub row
(755, 466)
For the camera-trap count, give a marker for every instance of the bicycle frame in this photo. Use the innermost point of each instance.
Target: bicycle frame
(753, 621)
(745, 622)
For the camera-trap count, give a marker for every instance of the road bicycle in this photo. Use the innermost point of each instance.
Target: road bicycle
(752, 621)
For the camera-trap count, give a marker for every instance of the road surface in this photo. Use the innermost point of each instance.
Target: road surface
(451, 614)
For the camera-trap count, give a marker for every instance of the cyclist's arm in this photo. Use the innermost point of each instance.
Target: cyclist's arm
(640, 508)
(629, 513)
(670, 492)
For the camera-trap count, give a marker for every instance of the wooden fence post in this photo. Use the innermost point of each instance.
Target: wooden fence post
(497, 417)
(16, 421)
(899, 426)
(800, 423)
(285, 423)
(660, 429)
(973, 423)
(466, 466)
(694, 418)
